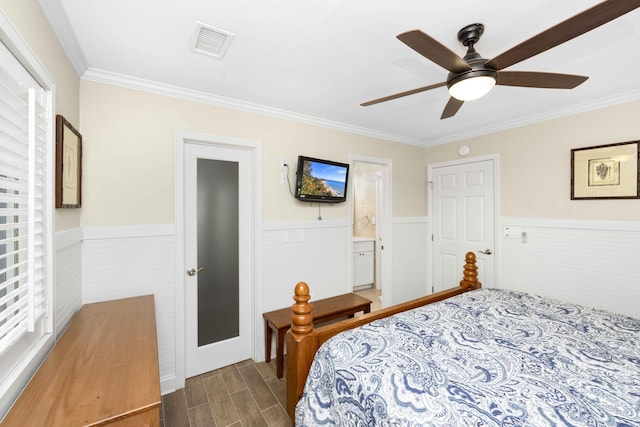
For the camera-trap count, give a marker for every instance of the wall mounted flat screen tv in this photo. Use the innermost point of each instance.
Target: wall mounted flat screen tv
(320, 180)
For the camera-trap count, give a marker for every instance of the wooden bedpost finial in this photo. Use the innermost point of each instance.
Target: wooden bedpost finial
(302, 344)
(301, 318)
(470, 278)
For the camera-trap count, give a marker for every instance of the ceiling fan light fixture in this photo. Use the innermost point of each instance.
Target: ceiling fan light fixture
(472, 85)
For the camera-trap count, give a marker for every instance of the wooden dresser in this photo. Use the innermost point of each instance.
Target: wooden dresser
(103, 371)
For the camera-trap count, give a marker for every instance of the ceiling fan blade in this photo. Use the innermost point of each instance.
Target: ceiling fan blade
(432, 49)
(565, 31)
(539, 80)
(451, 108)
(401, 94)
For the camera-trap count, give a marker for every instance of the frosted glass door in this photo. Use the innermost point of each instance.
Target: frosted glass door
(218, 282)
(218, 256)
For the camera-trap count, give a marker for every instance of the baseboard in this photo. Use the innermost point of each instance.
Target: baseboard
(167, 384)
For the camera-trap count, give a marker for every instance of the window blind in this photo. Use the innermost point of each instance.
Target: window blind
(23, 204)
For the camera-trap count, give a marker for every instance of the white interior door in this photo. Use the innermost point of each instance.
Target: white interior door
(463, 209)
(218, 256)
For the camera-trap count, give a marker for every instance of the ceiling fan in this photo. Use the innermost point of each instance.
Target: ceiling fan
(473, 76)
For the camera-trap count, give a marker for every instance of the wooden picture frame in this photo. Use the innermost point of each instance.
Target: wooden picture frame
(68, 165)
(606, 171)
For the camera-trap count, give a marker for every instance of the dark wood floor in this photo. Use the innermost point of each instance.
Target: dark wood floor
(246, 394)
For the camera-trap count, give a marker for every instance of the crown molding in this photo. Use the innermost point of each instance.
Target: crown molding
(54, 12)
(604, 102)
(129, 82)
(135, 83)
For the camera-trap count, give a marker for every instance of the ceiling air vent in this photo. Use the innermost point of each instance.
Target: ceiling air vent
(211, 41)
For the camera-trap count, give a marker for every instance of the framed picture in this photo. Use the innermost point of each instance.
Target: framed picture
(605, 171)
(68, 165)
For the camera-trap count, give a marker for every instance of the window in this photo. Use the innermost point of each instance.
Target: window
(26, 214)
(23, 204)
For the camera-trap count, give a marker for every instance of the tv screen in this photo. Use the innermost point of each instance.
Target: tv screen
(320, 180)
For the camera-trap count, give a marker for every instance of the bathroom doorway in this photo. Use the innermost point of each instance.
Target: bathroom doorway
(371, 212)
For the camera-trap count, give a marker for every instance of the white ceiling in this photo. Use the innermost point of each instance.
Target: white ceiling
(317, 60)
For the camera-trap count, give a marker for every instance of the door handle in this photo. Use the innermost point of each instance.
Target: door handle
(192, 271)
(486, 252)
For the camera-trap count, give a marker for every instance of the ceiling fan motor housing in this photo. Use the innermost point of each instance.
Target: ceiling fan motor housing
(469, 36)
(478, 66)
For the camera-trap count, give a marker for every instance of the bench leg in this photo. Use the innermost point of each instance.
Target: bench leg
(280, 352)
(267, 342)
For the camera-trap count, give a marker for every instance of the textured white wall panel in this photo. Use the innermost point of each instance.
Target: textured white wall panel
(68, 278)
(592, 263)
(313, 252)
(410, 259)
(122, 262)
(304, 252)
(587, 262)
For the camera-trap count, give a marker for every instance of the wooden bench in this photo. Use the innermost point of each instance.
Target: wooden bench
(102, 371)
(324, 310)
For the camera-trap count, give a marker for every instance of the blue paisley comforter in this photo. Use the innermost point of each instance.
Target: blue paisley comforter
(485, 358)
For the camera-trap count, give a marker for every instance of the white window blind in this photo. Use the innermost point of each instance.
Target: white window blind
(23, 202)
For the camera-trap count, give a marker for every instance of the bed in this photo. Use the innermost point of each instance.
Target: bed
(483, 358)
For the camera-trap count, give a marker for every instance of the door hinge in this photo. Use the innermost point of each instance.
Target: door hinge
(432, 237)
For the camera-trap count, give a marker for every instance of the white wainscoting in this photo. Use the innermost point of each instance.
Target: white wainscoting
(68, 278)
(585, 262)
(411, 259)
(318, 253)
(315, 252)
(126, 261)
(593, 263)
(120, 262)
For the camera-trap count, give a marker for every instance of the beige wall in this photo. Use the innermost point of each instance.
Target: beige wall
(28, 19)
(535, 163)
(129, 156)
